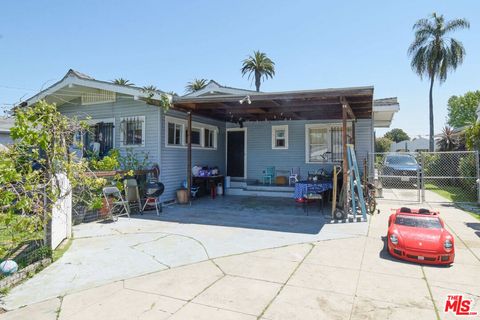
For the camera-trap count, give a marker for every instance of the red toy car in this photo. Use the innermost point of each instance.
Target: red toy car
(419, 236)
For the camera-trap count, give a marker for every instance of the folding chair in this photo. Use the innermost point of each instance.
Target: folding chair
(116, 205)
(132, 195)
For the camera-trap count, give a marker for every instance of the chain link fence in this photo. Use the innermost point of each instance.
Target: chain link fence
(426, 176)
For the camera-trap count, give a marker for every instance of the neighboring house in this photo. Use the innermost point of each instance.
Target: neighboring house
(239, 131)
(5, 125)
(417, 144)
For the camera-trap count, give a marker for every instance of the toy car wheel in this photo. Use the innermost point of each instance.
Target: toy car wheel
(338, 214)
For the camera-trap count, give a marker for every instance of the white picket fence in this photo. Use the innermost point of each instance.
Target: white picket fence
(61, 227)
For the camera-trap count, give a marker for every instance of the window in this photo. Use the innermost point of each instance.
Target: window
(98, 138)
(280, 137)
(132, 131)
(196, 136)
(324, 143)
(203, 135)
(209, 138)
(175, 134)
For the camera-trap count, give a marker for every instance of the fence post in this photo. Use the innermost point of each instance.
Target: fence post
(477, 160)
(422, 184)
(419, 187)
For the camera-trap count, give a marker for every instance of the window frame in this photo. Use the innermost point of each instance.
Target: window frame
(182, 134)
(274, 137)
(213, 139)
(122, 133)
(195, 125)
(200, 132)
(329, 127)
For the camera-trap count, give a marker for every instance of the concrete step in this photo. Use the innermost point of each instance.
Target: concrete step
(270, 188)
(238, 184)
(258, 193)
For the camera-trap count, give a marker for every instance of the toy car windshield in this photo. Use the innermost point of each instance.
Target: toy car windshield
(427, 223)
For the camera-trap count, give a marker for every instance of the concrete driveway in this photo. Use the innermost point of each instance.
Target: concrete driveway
(105, 252)
(336, 273)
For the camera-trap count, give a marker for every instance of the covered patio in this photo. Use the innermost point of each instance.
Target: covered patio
(298, 110)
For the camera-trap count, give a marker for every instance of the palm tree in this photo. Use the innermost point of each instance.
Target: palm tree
(260, 66)
(195, 85)
(149, 88)
(434, 53)
(448, 141)
(123, 82)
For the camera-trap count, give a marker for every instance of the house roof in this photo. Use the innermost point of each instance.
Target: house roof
(214, 88)
(73, 79)
(6, 124)
(384, 110)
(295, 105)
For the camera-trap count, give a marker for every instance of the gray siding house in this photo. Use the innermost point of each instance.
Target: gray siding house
(5, 125)
(232, 129)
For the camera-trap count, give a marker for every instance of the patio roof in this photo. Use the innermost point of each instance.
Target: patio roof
(287, 105)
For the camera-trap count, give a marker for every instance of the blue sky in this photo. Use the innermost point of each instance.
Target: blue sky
(315, 44)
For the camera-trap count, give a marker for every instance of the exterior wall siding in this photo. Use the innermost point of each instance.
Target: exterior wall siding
(124, 106)
(174, 159)
(260, 154)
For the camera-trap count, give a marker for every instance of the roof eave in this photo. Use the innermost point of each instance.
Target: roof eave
(72, 78)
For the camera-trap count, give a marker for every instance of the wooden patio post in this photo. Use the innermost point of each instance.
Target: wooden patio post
(189, 156)
(344, 145)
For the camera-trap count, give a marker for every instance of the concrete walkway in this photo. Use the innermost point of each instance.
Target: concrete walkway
(348, 277)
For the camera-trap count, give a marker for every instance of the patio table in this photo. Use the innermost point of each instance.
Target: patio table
(301, 187)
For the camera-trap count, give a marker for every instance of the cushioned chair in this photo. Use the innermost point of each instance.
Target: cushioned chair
(268, 175)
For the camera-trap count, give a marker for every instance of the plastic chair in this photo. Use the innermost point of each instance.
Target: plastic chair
(132, 195)
(268, 175)
(294, 175)
(116, 205)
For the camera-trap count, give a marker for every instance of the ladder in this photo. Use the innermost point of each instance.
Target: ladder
(355, 181)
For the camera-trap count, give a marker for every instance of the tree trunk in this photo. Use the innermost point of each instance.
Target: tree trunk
(430, 108)
(257, 80)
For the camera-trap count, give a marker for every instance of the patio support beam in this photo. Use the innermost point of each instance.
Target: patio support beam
(344, 145)
(189, 156)
(346, 105)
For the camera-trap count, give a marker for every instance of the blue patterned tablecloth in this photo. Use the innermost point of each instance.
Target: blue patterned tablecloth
(301, 187)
